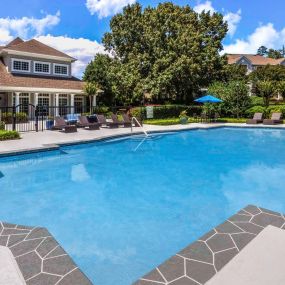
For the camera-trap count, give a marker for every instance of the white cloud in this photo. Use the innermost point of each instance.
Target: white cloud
(265, 35)
(105, 8)
(26, 27)
(207, 6)
(231, 18)
(82, 49)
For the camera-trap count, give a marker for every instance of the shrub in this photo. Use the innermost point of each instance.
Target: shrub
(168, 111)
(2, 125)
(234, 95)
(20, 117)
(9, 135)
(256, 109)
(137, 111)
(276, 109)
(256, 101)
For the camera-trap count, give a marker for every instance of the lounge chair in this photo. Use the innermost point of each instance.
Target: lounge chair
(84, 123)
(275, 119)
(124, 123)
(257, 118)
(60, 124)
(127, 119)
(72, 118)
(103, 122)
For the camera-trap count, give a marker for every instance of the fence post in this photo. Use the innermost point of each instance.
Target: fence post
(14, 118)
(37, 118)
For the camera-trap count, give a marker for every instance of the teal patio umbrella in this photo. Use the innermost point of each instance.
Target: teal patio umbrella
(208, 99)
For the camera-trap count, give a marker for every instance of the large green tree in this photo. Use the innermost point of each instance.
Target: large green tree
(234, 72)
(263, 51)
(169, 50)
(235, 96)
(98, 71)
(272, 53)
(268, 73)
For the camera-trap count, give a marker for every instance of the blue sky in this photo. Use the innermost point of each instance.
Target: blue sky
(77, 26)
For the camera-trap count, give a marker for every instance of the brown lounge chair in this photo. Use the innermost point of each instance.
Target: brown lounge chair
(84, 123)
(257, 118)
(126, 124)
(60, 124)
(102, 121)
(275, 119)
(127, 119)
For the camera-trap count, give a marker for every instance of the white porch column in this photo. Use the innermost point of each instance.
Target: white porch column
(72, 103)
(36, 99)
(17, 100)
(94, 101)
(57, 104)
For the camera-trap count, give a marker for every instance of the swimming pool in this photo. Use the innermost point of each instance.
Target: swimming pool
(122, 207)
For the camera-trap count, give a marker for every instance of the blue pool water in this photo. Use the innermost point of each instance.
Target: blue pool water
(120, 209)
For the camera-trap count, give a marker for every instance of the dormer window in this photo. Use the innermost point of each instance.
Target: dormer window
(41, 67)
(60, 69)
(21, 65)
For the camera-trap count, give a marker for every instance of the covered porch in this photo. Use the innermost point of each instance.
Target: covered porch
(30, 109)
(55, 104)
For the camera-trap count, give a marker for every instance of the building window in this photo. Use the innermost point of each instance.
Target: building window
(78, 105)
(21, 65)
(42, 67)
(43, 100)
(63, 105)
(60, 69)
(24, 100)
(43, 104)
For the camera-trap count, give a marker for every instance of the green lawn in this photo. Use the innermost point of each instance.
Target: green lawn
(175, 121)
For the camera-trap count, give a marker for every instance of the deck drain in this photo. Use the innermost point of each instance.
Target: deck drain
(1, 174)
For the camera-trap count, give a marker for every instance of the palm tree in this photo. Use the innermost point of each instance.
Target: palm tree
(266, 89)
(281, 88)
(91, 89)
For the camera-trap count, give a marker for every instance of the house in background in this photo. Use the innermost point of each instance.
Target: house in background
(36, 74)
(251, 62)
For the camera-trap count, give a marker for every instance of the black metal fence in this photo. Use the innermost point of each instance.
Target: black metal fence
(28, 117)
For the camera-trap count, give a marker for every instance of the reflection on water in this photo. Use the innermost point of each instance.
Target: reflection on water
(79, 173)
(259, 184)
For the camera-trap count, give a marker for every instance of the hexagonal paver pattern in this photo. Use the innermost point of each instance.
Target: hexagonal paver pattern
(40, 258)
(205, 257)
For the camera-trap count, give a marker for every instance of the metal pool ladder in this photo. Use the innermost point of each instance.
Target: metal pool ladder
(134, 119)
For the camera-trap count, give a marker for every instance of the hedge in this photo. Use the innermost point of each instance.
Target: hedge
(2, 125)
(167, 111)
(9, 135)
(20, 117)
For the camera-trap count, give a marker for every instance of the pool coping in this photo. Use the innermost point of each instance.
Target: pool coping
(40, 257)
(57, 146)
(200, 261)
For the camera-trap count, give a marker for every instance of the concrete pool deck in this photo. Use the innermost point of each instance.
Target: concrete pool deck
(41, 260)
(203, 259)
(32, 141)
